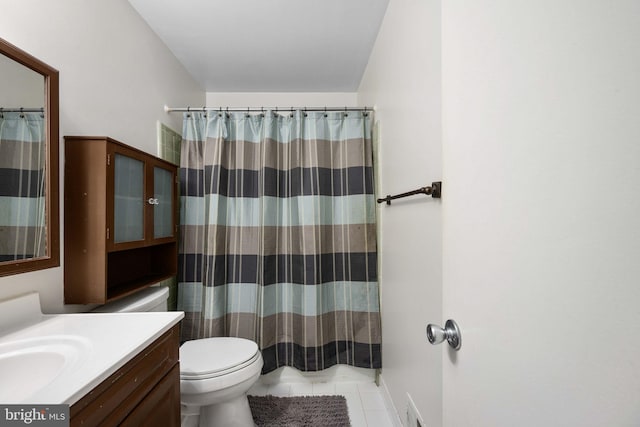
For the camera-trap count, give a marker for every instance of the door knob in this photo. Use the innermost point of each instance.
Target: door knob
(451, 333)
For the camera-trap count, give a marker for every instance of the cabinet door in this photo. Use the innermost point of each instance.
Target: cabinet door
(128, 199)
(161, 407)
(163, 202)
(143, 205)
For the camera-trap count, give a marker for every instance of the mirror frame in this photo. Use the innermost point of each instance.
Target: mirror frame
(52, 188)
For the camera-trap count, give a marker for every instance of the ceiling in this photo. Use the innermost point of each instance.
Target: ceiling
(269, 45)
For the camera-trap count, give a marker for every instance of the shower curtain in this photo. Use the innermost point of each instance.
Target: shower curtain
(278, 241)
(22, 186)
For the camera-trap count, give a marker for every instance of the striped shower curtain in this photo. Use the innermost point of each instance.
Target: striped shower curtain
(278, 239)
(22, 186)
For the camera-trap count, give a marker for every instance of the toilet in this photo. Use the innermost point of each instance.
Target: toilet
(215, 373)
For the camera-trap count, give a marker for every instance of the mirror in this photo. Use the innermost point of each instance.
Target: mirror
(29, 190)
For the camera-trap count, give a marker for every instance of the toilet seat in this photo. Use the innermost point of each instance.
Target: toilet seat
(213, 370)
(215, 357)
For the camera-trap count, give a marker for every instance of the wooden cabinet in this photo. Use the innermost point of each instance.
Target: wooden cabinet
(120, 220)
(146, 391)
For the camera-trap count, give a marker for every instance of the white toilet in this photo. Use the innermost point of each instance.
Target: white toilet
(215, 373)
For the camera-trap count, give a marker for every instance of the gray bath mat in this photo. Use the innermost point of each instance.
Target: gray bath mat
(299, 411)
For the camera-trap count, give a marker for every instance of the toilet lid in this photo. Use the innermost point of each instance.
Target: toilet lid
(209, 357)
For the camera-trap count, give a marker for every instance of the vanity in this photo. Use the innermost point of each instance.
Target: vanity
(111, 369)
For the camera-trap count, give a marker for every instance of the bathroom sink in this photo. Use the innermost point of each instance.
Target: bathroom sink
(60, 358)
(29, 366)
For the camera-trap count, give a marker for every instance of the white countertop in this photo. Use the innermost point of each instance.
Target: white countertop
(106, 342)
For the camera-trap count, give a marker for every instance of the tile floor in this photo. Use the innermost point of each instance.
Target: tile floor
(364, 399)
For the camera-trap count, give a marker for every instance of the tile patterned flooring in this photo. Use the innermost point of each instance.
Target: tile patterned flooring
(364, 399)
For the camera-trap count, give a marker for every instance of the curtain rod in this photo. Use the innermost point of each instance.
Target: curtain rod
(22, 110)
(262, 109)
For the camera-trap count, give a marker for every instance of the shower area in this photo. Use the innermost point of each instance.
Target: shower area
(22, 162)
(278, 234)
(22, 183)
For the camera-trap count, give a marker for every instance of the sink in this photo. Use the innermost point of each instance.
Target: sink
(28, 366)
(59, 358)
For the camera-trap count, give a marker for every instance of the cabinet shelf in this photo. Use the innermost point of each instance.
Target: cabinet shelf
(133, 269)
(128, 288)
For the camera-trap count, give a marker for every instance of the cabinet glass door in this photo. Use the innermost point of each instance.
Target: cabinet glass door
(129, 199)
(163, 203)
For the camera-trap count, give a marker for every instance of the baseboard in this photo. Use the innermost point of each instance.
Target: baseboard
(388, 403)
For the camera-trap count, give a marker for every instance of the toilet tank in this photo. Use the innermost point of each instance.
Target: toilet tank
(153, 298)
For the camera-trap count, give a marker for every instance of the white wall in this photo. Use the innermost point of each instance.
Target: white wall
(115, 78)
(20, 86)
(281, 99)
(403, 80)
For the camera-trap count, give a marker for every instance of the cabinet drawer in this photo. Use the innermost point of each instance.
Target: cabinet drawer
(116, 397)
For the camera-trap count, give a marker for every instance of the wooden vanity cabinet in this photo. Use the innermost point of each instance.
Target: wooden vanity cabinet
(120, 220)
(144, 392)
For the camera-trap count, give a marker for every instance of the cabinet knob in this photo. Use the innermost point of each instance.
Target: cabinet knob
(152, 201)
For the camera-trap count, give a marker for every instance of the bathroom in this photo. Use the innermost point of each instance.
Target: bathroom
(526, 111)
